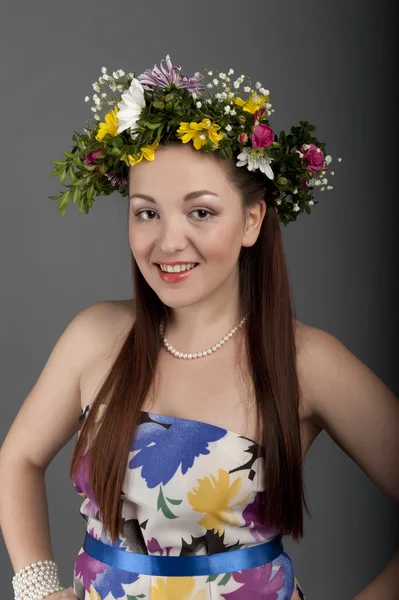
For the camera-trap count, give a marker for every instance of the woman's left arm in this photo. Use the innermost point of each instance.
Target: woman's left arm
(361, 414)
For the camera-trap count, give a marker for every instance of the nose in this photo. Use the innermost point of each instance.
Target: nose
(172, 237)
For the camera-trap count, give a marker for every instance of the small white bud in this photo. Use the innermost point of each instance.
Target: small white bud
(198, 104)
(87, 98)
(103, 69)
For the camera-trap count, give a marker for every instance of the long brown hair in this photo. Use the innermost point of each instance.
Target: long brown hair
(270, 357)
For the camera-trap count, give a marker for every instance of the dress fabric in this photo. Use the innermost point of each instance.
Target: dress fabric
(191, 488)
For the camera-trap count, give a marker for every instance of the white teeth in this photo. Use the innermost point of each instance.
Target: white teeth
(177, 268)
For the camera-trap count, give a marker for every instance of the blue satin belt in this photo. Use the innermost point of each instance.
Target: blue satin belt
(180, 566)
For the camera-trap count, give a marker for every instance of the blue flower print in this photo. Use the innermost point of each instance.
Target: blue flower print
(164, 443)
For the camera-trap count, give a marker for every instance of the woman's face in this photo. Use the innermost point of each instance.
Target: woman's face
(184, 209)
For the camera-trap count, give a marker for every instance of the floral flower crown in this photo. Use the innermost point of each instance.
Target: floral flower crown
(160, 105)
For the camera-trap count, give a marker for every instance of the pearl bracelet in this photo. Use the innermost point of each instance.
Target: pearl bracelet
(36, 581)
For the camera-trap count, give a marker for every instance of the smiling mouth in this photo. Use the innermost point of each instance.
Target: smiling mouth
(177, 272)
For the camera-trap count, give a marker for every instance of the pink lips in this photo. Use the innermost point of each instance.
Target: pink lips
(174, 277)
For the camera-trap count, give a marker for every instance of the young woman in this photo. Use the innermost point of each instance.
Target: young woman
(196, 401)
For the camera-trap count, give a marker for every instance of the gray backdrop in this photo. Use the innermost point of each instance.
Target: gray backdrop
(331, 63)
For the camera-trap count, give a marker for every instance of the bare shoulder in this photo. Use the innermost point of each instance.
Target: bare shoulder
(313, 347)
(106, 324)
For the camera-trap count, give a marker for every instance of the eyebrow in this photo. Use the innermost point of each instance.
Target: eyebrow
(189, 196)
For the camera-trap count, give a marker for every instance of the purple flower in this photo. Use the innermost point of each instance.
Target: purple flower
(165, 76)
(116, 179)
(252, 517)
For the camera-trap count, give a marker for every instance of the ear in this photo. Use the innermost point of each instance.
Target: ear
(254, 216)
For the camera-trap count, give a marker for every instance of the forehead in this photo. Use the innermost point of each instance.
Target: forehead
(178, 167)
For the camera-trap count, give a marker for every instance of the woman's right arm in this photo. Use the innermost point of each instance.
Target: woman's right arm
(47, 420)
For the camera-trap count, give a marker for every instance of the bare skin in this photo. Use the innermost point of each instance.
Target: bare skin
(218, 400)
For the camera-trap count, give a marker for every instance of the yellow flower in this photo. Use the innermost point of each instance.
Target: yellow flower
(213, 497)
(172, 588)
(147, 152)
(199, 133)
(93, 595)
(254, 103)
(110, 125)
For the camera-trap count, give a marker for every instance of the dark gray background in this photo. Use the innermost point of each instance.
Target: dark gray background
(331, 63)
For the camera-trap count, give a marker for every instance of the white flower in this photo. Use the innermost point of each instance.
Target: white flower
(310, 202)
(268, 105)
(255, 159)
(230, 72)
(247, 89)
(227, 109)
(258, 85)
(115, 74)
(103, 69)
(332, 173)
(228, 127)
(106, 77)
(198, 104)
(264, 91)
(223, 84)
(103, 95)
(130, 75)
(322, 189)
(209, 85)
(194, 95)
(94, 108)
(101, 80)
(121, 73)
(325, 181)
(236, 85)
(97, 117)
(210, 73)
(222, 75)
(130, 106)
(339, 159)
(96, 87)
(296, 208)
(233, 111)
(87, 98)
(216, 81)
(327, 159)
(120, 88)
(330, 187)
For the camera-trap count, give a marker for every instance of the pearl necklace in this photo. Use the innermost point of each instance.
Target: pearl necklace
(218, 345)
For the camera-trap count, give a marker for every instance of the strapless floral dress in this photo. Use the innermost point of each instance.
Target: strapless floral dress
(190, 488)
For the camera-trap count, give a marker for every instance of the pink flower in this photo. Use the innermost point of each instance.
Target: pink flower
(259, 114)
(93, 156)
(242, 138)
(262, 136)
(315, 157)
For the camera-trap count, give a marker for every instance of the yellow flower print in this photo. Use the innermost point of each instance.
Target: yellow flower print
(213, 497)
(199, 133)
(254, 103)
(110, 125)
(147, 152)
(93, 594)
(172, 588)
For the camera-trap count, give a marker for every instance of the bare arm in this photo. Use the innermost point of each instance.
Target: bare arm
(46, 421)
(361, 414)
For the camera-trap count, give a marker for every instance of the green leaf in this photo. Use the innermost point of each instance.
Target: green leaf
(161, 504)
(71, 173)
(224, 579)
(68, 154)
(53, 197)
(59, 162)
(64, 201)
(63, 175)
(174, 501)
(75, 195)
(90, 192)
